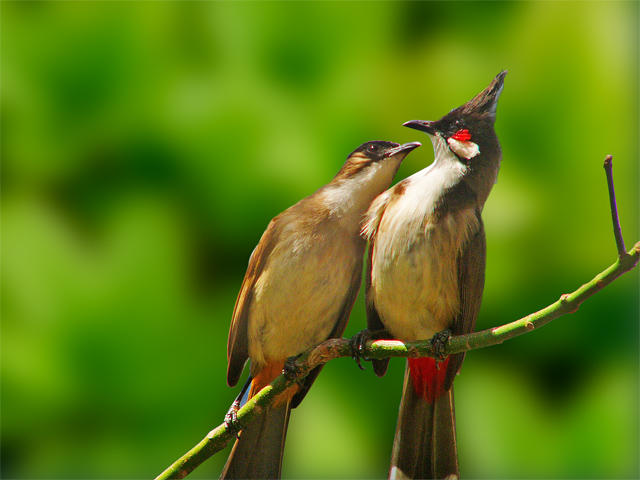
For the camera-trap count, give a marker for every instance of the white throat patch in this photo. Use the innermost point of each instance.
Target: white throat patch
(466, 150)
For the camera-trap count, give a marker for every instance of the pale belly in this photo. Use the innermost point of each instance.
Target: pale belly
(298, 299)
(414, 281)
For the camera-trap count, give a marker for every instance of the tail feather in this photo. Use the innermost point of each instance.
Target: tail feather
(257, 453)
(425, 440)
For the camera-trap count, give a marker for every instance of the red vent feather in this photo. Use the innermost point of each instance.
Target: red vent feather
(428, 377)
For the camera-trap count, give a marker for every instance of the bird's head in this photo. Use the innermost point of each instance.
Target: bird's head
(468, 130)
(371, 157)
(367, 173)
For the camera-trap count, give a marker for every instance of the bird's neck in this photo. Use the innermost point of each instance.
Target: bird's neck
(446, 167)
(348, 197)
(479, 174)
(481, 180)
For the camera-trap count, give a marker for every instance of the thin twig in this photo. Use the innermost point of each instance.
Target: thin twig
(617, 231)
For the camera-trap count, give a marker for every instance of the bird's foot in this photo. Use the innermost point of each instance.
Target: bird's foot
(291, 369)
(231, 418)
(359, 344)
(438, 342)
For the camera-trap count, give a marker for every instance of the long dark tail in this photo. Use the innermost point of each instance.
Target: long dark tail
(425, 440)
(258, 451)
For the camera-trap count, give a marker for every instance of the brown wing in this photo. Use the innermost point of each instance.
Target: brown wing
(337, 331)
(471, 267)
(238, 343)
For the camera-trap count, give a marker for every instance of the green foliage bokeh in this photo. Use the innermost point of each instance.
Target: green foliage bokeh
(145, 147)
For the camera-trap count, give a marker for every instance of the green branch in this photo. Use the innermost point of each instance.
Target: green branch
(218, 438)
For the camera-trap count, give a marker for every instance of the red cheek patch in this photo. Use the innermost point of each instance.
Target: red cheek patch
(462, 135)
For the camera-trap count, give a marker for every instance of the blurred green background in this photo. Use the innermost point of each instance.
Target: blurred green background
(145, 147)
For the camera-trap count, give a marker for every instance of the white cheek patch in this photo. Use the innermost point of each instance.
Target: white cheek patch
(466, 150)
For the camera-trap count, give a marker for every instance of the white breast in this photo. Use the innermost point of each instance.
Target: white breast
(414, 277)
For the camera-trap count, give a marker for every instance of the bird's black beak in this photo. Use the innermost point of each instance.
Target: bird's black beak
(405, 147)
(422, 125)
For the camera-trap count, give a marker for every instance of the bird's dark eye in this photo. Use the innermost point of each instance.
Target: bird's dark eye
(372, 148)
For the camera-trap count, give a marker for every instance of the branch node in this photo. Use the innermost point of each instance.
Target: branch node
(564, 300)
(529, 325)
